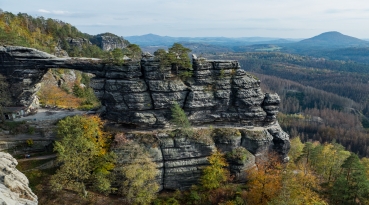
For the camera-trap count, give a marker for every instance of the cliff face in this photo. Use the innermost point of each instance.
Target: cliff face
(140, 94)
(180, 159)
(108, 41)
(219, 92)
(13, 184)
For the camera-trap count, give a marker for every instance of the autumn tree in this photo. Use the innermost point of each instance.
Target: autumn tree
(216, 173)
(83, 152)
(298, 188)
(55, 96)
(296, 148)
(136, 173)
(265, 181)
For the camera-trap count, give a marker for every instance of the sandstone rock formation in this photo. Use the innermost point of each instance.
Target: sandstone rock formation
(180, 159)
(109, 41)
(14, 188)
(77, 42)
(140, 95)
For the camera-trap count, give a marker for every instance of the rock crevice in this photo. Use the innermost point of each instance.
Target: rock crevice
(141, 94)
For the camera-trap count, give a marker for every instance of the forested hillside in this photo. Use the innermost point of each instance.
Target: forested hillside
(63, 88)
(54, 36)
(322, 100)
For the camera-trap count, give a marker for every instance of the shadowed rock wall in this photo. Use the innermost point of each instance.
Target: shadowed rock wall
(140, 94)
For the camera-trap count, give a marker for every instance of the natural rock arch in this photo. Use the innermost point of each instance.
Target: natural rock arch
(219, 93)
(135, 93)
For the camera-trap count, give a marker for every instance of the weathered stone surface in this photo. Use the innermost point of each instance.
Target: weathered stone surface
(165, 100)
(108, 41)
(183, 159)
(281, 142)
(258, 142)
(144, 118)
(166, 85)
(180, 160)
(77, 42)
(138, 101)
(198, 99)
(219, 91)
(14, 184)
(140, 95)
(127, 86)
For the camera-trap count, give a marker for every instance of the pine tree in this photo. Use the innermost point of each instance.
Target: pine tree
(352, 186)
(180, 120)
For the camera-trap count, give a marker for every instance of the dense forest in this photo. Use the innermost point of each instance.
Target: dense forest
(321, 99)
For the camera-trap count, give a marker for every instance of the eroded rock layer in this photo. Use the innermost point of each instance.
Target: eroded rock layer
(180, 159)
(140, 95)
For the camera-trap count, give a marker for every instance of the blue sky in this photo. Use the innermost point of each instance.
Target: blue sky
(196, 18)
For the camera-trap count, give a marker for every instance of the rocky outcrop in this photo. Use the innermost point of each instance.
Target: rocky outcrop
(180, 159)
(139, 94)
(109, 41)
(77, 42)
(13, 184)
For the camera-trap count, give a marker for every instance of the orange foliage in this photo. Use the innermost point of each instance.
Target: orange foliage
(265, 181)
(53, 95)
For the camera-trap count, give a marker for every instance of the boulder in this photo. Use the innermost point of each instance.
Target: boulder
(14, 184)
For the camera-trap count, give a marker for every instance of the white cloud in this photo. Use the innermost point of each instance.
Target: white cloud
(60, 12)
(44, 11)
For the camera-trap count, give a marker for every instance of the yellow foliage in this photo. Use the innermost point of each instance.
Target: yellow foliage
(216, 173)
(265, 182)
(53, 95)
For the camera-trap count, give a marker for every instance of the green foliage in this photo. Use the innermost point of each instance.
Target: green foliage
(184, 75)
(180, 120)
(177, 57)
(138, 173)
(86, 93)
(29, 142)
(83, 154)
(133, 51)
(215, 174)
(238, 155)
(296, 148)
(352, 186)
(226, 133)
(114, 57)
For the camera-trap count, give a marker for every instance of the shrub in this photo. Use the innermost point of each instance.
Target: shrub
(239, 155)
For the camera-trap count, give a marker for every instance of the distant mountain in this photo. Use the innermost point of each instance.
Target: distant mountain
(331, 45)
(332, 39)
(150, 40)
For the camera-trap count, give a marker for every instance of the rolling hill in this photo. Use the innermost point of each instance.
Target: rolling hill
(332, 39)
